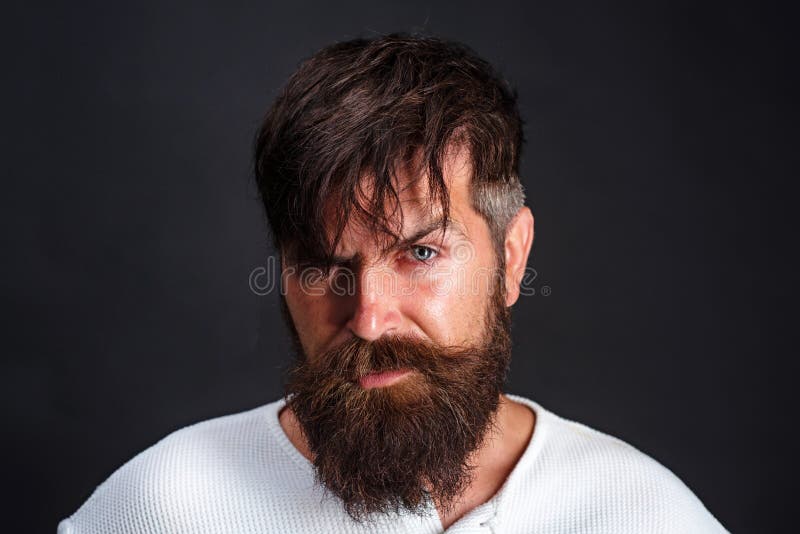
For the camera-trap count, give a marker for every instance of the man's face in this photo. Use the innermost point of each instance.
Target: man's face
(402, 359)
(435, 288)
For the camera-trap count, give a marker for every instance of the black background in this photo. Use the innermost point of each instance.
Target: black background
(657, 166)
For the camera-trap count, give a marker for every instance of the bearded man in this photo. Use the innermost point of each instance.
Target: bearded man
(388, 169)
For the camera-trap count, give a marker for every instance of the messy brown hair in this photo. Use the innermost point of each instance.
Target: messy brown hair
(362, 108)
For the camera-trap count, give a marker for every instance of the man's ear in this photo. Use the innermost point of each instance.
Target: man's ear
(519, 238)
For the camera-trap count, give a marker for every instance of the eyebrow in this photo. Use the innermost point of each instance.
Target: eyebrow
(453, 227)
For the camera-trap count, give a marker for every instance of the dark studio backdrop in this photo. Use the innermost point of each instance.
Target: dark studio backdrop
(656, 166)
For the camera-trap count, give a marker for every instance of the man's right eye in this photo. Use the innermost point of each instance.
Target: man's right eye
(311, 268)
(320, 269)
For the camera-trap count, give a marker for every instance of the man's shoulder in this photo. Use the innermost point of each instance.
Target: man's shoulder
(191, 471)
(607, 482)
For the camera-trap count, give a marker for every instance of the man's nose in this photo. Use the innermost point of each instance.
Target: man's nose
(374, 304)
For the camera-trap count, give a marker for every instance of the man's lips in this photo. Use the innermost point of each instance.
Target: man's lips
(383, 379)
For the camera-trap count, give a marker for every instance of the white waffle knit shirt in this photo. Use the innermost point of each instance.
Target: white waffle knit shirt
(241, 474)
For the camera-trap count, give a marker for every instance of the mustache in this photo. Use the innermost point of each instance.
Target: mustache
(358, 357)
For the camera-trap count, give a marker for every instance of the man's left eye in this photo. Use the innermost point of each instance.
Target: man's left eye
(423, 253)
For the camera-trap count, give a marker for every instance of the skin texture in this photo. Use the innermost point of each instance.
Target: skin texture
(400, 294)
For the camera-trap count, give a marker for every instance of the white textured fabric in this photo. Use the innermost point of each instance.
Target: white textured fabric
(240, 474)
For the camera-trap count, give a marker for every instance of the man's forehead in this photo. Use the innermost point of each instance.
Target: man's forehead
(410, 207)
(413, 203)
(411, 182)
(357, 236)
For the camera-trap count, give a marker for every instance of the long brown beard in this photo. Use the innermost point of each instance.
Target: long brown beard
(381, 450)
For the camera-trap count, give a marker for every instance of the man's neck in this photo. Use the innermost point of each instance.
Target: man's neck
(493, 461)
